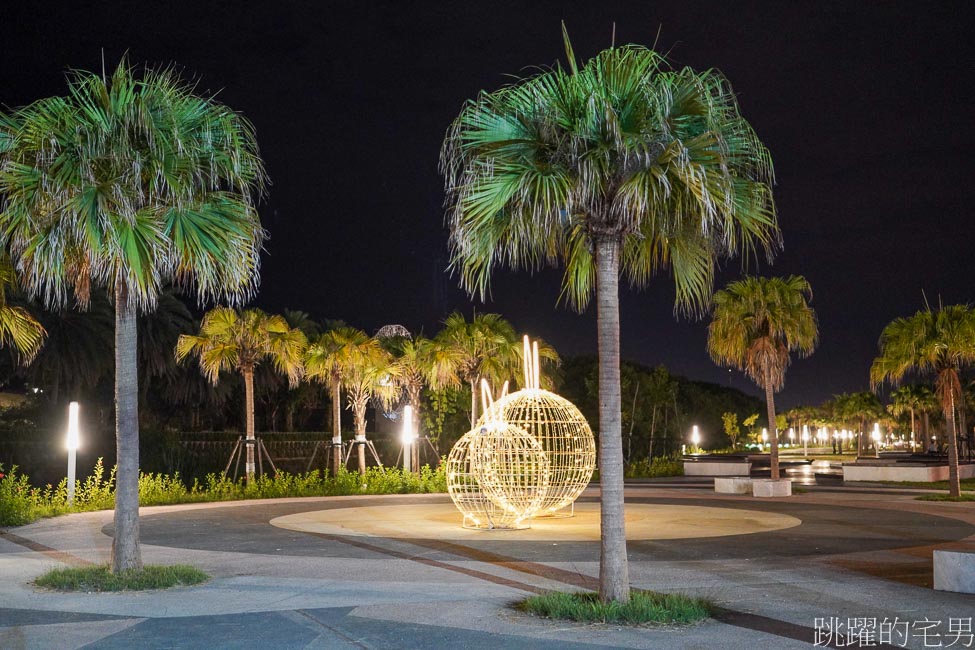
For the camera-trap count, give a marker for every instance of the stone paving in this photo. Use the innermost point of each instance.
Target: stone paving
(856, 553)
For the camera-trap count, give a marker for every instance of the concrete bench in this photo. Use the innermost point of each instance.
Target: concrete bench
(954, 571)
(733, 485)
(734, 467)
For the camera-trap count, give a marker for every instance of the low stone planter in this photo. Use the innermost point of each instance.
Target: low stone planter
(767, 487)
(733, 485)
(880, 470)
(954, 571)
(735, 467)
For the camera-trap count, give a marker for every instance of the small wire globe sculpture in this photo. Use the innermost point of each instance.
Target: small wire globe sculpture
(530, 454)
(497, 477)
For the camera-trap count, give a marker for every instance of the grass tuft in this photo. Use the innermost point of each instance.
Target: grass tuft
(965, 496)
(100, 578)
(644, 607)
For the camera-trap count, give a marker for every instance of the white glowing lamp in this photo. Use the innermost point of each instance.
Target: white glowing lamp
(792, 434)
(408, 435)
(876, 432)
(764, 435)
(695, 436)
(73, 442)
(74, 437)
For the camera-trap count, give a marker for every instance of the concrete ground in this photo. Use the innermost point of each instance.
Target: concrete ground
(782, 571)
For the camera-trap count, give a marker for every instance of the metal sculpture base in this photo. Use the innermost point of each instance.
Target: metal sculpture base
(240, 452)
(471, 524)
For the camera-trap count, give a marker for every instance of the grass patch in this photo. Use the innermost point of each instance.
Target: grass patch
(645, 607)
(967, 484)
(945, 497)
(99, 578)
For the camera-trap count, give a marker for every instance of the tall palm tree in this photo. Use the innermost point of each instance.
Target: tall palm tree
(620, 165)
(941, 343)
(18, 327)
(909, 399)
(757, 324)
(124, 185)
(229, 340)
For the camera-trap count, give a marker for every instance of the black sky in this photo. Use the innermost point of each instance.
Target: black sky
(865, 106)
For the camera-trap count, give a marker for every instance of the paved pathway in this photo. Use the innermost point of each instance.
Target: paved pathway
(857, 553)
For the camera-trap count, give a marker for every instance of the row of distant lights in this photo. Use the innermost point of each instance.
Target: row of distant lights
(822, 434)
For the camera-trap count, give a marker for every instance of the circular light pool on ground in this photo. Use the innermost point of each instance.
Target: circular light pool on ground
(443, 521)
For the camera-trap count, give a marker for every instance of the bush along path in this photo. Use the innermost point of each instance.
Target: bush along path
(21, 503)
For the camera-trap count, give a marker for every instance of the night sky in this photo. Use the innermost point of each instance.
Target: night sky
(866, 108)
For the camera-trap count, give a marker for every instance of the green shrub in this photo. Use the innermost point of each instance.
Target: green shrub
(21, 503)
(658, 467)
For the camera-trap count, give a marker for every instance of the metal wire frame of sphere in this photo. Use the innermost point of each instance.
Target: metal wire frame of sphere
(565, 437)
(497, 476)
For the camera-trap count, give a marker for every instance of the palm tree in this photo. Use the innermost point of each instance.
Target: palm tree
(229, 340)
(329, 360)
(424, 362)
(18, 327)
(757, 324)
(858, 409)
(940, 342)
(621, 165)
(126, 184)
(909, 399)
(487, 347)
(370, 374)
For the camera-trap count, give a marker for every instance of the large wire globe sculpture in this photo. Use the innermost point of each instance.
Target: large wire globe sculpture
(497, 476)
(530, 454)
(563, 434)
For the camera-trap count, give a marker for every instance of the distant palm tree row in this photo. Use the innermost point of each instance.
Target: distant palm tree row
(367, 368)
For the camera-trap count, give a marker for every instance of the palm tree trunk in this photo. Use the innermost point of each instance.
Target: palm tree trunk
(360, 434)
(336, 426)
(249, 467)
(614, 580)
(473, 403)
(954, 484)
(912, 429)
(126, 553)
(772, 429)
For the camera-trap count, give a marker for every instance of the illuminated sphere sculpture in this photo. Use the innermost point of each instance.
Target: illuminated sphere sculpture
(532, 453)
(497, 476)
(564, 436)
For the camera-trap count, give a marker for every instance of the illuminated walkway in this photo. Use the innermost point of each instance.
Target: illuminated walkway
(399, 572)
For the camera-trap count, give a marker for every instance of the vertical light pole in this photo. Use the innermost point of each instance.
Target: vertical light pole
(876, 439)
(695, 437)
(73, 442)
(407, 437)
(764, 436)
